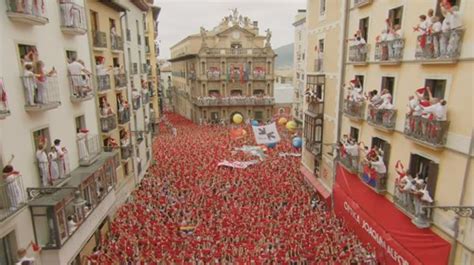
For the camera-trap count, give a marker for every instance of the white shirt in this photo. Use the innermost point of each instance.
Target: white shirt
(31, 260)
(386, 102)
(438, 110)
(446, 25)
(422, 27)
(376, 100)
(379, 165)
(75, 68)
(41, 156)
(436, 27)
(352, 149)
(454, 19)
(101, 69)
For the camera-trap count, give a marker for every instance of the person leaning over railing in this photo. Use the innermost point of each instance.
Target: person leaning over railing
(13, 188)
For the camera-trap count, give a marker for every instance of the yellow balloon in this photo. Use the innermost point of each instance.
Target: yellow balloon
(291, 125)
(282, 121)
(237, 118)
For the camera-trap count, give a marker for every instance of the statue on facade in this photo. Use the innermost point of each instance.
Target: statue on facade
(268, 37)
(246, 21)
(234, 17)
(203, 36)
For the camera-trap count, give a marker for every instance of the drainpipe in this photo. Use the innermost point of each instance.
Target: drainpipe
(342, 75)
(455, 243)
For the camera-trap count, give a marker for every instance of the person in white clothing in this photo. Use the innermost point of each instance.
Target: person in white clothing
(438, 110)
(29, 84)
(81, 137)
(13, 189)
(79, 74)
(352, 150)
(386, 98)
(43, 164)
(23, 259)
(71, 225)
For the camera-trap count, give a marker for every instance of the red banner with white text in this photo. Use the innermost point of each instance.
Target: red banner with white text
(377, 221)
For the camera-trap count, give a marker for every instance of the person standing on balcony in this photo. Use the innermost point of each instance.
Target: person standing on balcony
(102, 71)
(53, 167)
(79, 74)
(14, 190)
(29, 84)
(113, 34)
(63, 159)
(42, 82)
(81, 143)
(43, 164)
(436, 31)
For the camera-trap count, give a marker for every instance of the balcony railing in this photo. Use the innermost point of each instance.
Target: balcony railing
(144, 68)
(73, 18)
(314, 148)
(318, 65)
(126, 151)
(382, 118)
(107, 123)
(192, 76)
(136, 103)
(411, 204)
(375, 180)
(358, 53)
(80, 88)
(116, 42)
(360, 3)
(12, 195)
(124, 116)
(258, 76)
(213, 75)
(27, 11)
(440, 46)
(103, 83)
(89, 148)
(99, 39)
(354, 109)
(389, 51)
(41, 93)
(120, 80)
(146, 96)
(350, 162)
(54, 170)
(242, 51)
(233, 101)
(426, 131)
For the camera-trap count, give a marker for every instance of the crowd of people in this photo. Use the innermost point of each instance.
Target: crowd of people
(189, 211)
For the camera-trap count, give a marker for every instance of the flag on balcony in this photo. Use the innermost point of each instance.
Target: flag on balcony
(241, 72)
(266, 134)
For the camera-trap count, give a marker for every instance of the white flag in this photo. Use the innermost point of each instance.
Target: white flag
(266, 134)
(237, 164)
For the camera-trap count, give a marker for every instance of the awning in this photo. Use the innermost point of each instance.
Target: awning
(377, 221)
(311, 179)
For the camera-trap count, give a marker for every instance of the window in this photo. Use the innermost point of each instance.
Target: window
(321, 45)
(322, 7)
(388, 83)
(80, 122)
(25, 52)
(354, 134)
(437, 87)
(313, 132)
(94, 21)
(215, 116)
(71, 55)
(395, 16)
(235, 45)
(364, 27)
(258, 115)
(426, 169)
(384, 146)
(41, 136)
(438, 9)
(316, 84)
(360, 79)
(8, 249)
(116, 62)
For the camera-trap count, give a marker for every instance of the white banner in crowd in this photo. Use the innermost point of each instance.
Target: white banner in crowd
(237, 164)
(253, 150)
(289, 154)
(266, 134)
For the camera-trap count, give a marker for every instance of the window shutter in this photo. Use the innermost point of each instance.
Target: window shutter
(413, 165)
(432, 176)
(386, 153)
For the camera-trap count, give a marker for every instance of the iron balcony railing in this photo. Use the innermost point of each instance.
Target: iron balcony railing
(73, 16)
(12, 195)
(116, 42)
(313, 147)
(147, 48)
(407, 201)
(214, 75)
(149, 70)
(192, 76)
(126, 151)
(425, 130)
(233, 101)
(30, 8)
(350, 162)
(99, 39)
(384, 118)
(4, 108)
(53, 170)
(123, 116)
(318, 65)
(440, 45)
(136, 103)
(103, 82)
(375, 180)
(242, 51)
(128, 34)
(354, 109)
(120, 80)
(358, 53)
(40, 91)
(107, 123)
(80, 86)
(89, 147)
(389, 51)
(139, 39)
(359, 3)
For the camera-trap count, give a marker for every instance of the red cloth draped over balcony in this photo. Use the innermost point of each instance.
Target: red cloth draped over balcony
(377, 221)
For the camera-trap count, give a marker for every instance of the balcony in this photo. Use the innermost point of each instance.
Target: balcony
(126, 152)
(103, 83)
(430, 133)
(318, 65)
(374, 180)
(99, 40)
(440, 48)
(80, 88)
(12, 195)
(120, 80)
(54, 170)
(139, 136)
(144, 69)
(27, 11)
(358, 54)
(354, 110)
(382, 119)
(136, 102)
(214, 75)
(234, 101)
(145, 96)
(73, 19)
(349, 162)
(192, 76)
(361, 3)
(116, 43)
(389, 52)
(123, 116)
(41, 93)
(89, 148)
(107, 123)
(258, 76)
(314, 148)
(233, 52)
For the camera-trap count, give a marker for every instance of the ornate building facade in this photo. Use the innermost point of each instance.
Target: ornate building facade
(223, 71)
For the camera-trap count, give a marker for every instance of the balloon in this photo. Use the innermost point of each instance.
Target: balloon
(297, 142)
(291, 125)
(254, 123)
(282, 121)
(237, 118)
(271, 145)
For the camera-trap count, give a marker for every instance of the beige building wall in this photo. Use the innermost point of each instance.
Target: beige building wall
(299, 65)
